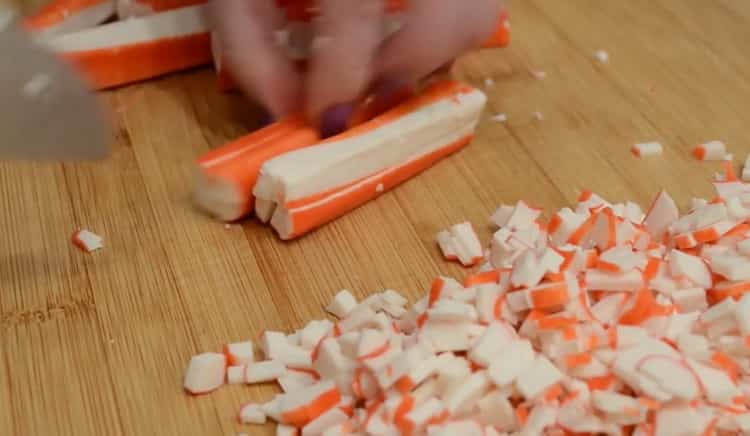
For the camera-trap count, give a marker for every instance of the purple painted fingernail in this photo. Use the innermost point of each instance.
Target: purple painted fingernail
(335, 119)
(265, 118)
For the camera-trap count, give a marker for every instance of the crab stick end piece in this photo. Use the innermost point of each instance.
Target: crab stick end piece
(205, 373)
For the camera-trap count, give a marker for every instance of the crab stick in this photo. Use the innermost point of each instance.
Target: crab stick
(461, 243)
(139, 8)
(205, 373)
(68, 16)
(384, 152)
(225, 176)
(129, 51)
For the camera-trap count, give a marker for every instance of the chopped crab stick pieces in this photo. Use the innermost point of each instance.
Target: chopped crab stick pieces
(385, 151)
(87, 241)
(140, 8)
(133, 50)
(713, 150)
(59, 17)
(461, 243)
(206, 372)
(225, 176)
(576, 333)
(647, 149)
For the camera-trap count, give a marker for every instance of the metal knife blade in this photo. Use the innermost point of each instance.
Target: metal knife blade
(46, 111)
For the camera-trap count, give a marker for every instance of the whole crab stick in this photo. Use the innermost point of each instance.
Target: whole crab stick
(313, 186)
(140, 8)
(138, 49)
(66, 16)
(226, 176)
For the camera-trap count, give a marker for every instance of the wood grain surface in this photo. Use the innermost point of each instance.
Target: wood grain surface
(96, 344)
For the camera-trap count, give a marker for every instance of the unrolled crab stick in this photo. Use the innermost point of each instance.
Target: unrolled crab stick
(140, 8)
(138, 49)
(66, 16)
(226, 176)
(358, 165)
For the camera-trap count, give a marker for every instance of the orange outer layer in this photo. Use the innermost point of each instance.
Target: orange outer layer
(306, 220)
(56, 12)
(120, 65)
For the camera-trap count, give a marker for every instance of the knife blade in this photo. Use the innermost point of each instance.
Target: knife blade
(46, 110)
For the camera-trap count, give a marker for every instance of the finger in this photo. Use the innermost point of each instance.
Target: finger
(435, 32)
(246, 31)
(348, 34)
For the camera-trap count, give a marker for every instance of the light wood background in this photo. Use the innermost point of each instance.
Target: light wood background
(97, 344)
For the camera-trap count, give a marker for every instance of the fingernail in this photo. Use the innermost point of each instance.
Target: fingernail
(335, 119)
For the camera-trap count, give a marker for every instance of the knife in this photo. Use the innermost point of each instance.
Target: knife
(47, 113)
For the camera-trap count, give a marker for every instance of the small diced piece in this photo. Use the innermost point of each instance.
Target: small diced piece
(342, 305)
(263, 372)
(647, 149)
(538, 377)
(304, 406)
(239, 354)
(497, 411)
(87, 240)
(462, 243)
(713, 150)
(206, 372)
(252, 414)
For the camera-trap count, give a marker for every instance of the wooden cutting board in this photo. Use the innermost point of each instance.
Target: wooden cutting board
(96, 344)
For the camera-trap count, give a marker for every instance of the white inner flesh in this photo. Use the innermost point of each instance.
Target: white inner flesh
(312, 170)
(132, 8)
(179, 22)
(217, 197)
(79, 20)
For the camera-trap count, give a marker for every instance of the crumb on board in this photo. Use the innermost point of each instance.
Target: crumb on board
(538, 115)
(601, 56)
(37, 85)
(500, 118)
(87, 240)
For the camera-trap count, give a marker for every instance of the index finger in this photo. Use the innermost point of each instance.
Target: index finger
(246, 30)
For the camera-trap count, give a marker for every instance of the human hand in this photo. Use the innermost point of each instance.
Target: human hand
(349, 54)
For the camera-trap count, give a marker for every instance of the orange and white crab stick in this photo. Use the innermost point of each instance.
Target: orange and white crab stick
(129, 51)
(313, 186)
(141, 8)
(226, 176)
(67, 16)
